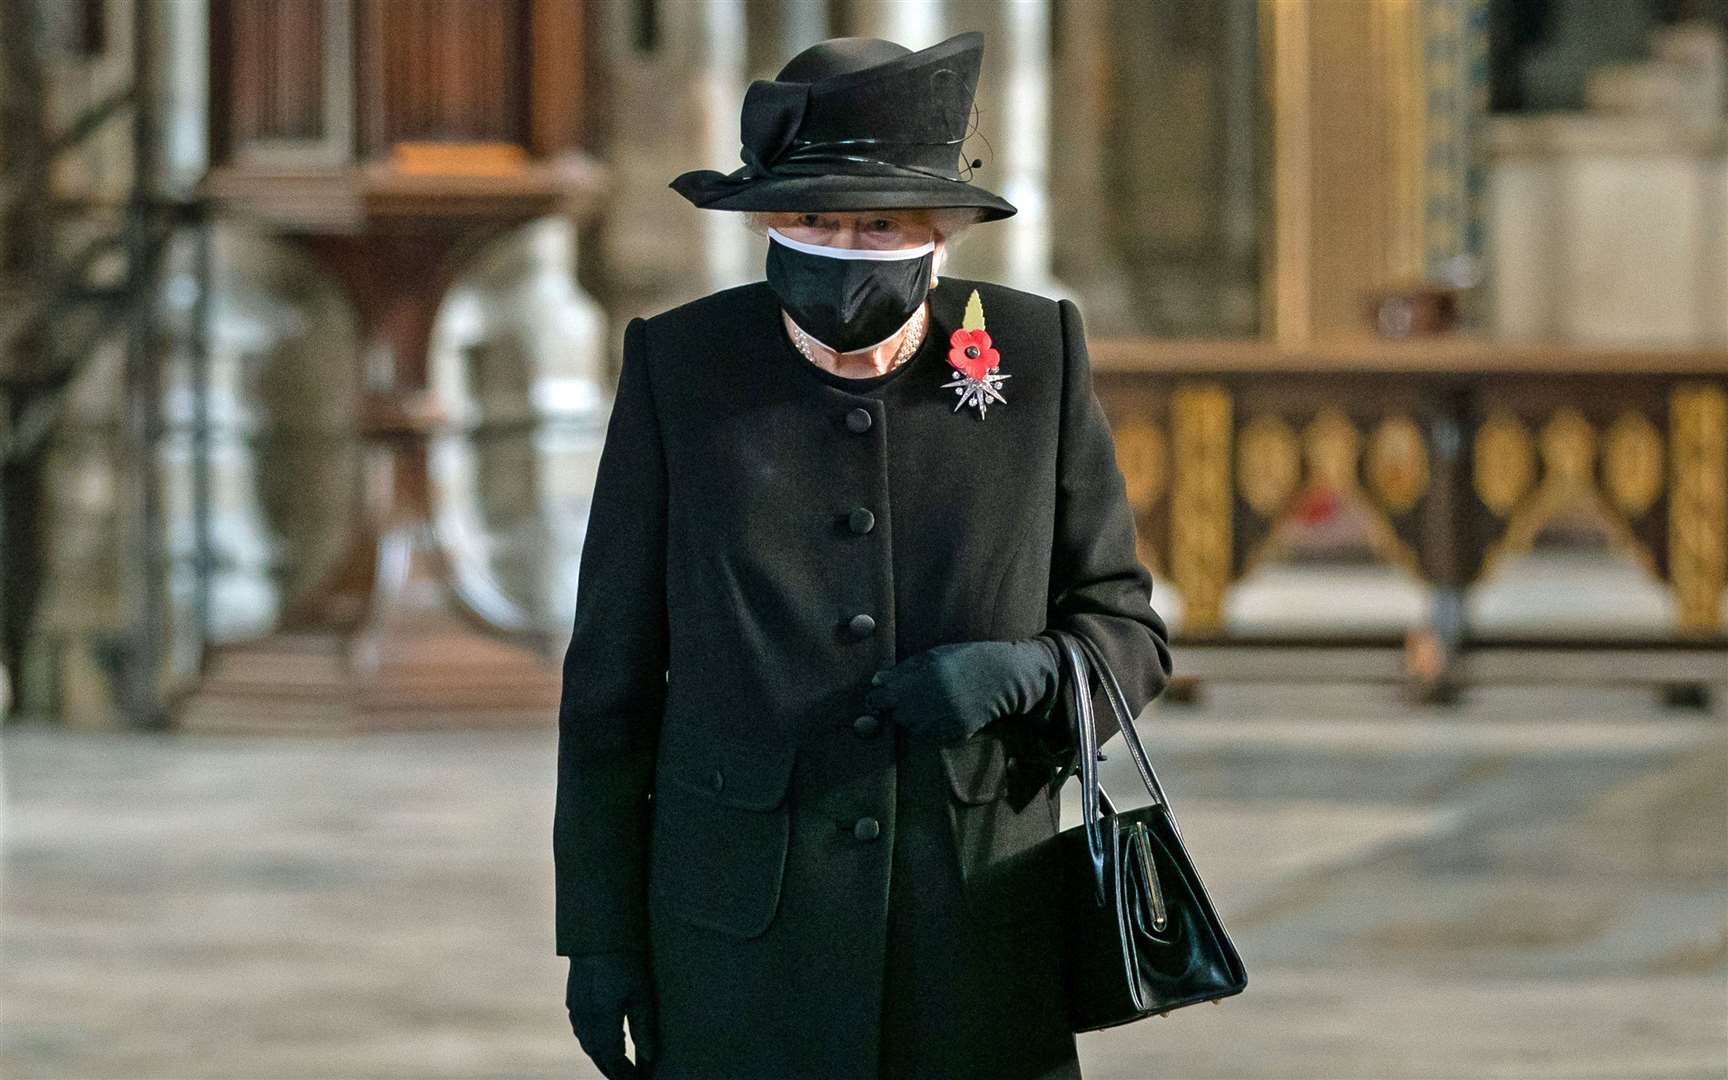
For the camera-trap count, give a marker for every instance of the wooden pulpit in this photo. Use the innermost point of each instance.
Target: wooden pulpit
(391, 140)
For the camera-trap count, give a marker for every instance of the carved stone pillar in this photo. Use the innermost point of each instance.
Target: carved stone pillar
(1154, 167)
(1014, 117)
(915, 26)
(1081, 149)
(676, 79)
(780, 30)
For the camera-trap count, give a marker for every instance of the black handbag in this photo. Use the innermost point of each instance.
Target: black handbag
(1140, 934)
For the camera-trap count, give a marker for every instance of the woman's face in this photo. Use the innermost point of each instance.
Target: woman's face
(882, 230)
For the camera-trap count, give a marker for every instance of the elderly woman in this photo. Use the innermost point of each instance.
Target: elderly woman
(811, 735)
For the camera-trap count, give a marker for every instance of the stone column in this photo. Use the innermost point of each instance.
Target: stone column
(1239, 227)
(715, 35)
(1013, 141)
(1154, 204)
(915, 25)
(677, 83)
(1013, 115)
(780, 30)
(182, 90)
(1081, 151)
(802, 24)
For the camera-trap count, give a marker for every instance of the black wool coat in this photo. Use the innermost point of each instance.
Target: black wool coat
(821, 894)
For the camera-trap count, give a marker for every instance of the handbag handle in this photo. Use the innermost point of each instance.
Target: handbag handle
(1124, 718)
(1086, 738)
(1083, 655)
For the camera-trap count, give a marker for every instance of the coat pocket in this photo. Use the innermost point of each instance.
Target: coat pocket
(1005, 861)
(721, 830)
(977, 769)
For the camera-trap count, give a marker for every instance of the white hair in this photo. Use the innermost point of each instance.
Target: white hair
(948, 222)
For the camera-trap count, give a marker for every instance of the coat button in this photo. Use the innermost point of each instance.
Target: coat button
(866, 828)
(866, 726)
(861, 520)
(861, 625)
(717, 779)
(858, 420)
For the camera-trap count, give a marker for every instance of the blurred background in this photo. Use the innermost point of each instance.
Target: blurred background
(1410, 318)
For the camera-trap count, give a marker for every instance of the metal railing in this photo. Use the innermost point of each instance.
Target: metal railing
(58, 313)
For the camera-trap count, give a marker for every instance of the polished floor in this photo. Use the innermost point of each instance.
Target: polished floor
(1535, 885)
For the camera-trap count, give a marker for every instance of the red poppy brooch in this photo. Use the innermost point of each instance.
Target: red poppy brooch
(971, 354)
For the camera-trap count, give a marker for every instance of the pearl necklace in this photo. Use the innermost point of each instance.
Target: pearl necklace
(908, 345)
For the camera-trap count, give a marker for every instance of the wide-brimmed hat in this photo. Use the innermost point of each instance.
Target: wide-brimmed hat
(857, 123)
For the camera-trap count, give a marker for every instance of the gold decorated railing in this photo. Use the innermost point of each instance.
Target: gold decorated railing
(1457, 452)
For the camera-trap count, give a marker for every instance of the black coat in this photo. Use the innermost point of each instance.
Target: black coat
(723, 800)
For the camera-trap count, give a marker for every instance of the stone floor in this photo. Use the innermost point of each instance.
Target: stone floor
(1533, 886)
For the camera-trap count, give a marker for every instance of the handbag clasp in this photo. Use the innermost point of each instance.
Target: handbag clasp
(1143, 844)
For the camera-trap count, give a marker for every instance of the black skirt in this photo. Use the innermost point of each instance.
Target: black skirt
(932, 1028)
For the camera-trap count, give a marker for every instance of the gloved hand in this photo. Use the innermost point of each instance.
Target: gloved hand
(602, 990)
(948, 692)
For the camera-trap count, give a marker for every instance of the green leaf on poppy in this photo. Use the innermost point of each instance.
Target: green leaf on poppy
(974, 319)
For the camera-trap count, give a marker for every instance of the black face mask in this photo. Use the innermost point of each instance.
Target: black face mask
(848, 298)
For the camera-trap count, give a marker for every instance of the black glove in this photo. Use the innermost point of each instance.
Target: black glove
(948, 692)
(603, 989)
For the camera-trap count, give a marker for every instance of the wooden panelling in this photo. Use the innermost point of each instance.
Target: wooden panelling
(274, 53)
(560, 108)
(297, 84)
(444, 70)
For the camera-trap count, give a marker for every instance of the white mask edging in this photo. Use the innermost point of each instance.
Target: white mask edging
(853, 253)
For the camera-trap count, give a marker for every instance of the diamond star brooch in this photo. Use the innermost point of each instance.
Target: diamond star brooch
(971, 354)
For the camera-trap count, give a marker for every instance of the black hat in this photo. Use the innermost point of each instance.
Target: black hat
(856, 123)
